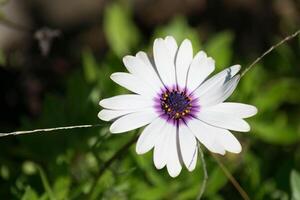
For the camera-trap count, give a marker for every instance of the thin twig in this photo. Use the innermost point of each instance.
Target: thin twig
(269, 50)
(205, 176)
(49, 129)
(108, 163)
(234, 182)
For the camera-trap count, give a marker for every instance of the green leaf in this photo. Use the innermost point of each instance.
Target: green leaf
(46, 184)
(89, 66)
(277, 131)
(276, 93)
(216, 180)
(120, 31)
(29, 194)
(295, 184)
(179, 29)
(61, 187)
(220, 48)
(144, 163)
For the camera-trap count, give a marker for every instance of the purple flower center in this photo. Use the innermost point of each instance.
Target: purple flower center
(175, 104)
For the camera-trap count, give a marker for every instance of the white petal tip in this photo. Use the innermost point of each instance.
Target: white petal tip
(102, 102)
(169, 37)
(174, 174)
(254, 111)
(220, 152)
(235, 69)
(246, 128)
(210, 61)
(125, 59)
(112, 76)
(140, 53)
(139, 150)
(236, 151)
(158, 166)
(187, 41)
(157, 40)
(100, 116)
(190, 169)
(113, 130)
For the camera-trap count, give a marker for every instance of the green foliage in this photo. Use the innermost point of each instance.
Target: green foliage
(121, 33)
(61, 188)
(179, 29)
(219, 47)
(295, 184)
(30, 194)
(89, 66)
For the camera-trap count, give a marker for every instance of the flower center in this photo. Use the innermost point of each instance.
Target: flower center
(175, 104)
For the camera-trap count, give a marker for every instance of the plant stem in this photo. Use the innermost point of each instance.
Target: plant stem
(205, 176)
(269, 51)
(234, 182)
(49, 129)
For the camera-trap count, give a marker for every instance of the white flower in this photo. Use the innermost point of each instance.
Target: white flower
(179, 105)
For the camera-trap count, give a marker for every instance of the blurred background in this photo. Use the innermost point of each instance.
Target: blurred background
(55, 60)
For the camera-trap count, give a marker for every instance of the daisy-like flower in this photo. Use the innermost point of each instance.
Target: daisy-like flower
(177, 101)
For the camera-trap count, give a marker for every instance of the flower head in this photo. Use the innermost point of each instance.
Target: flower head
(177, 101)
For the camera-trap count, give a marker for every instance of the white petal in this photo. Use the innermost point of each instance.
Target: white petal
(144, 57)
(161, 149)
(172, 46)
(164, 62)
(239, 110)
(173, 164)
(149, 136)
(188, 146)
(141, 70)
(133, 84)
(223, 120)
(206, 134)
(201, 67)
(219, 92)
(183, 60)
(229, 142)
(133, 121)
(126, 102)
(218, 79)
(151, 71)
(108, 115)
